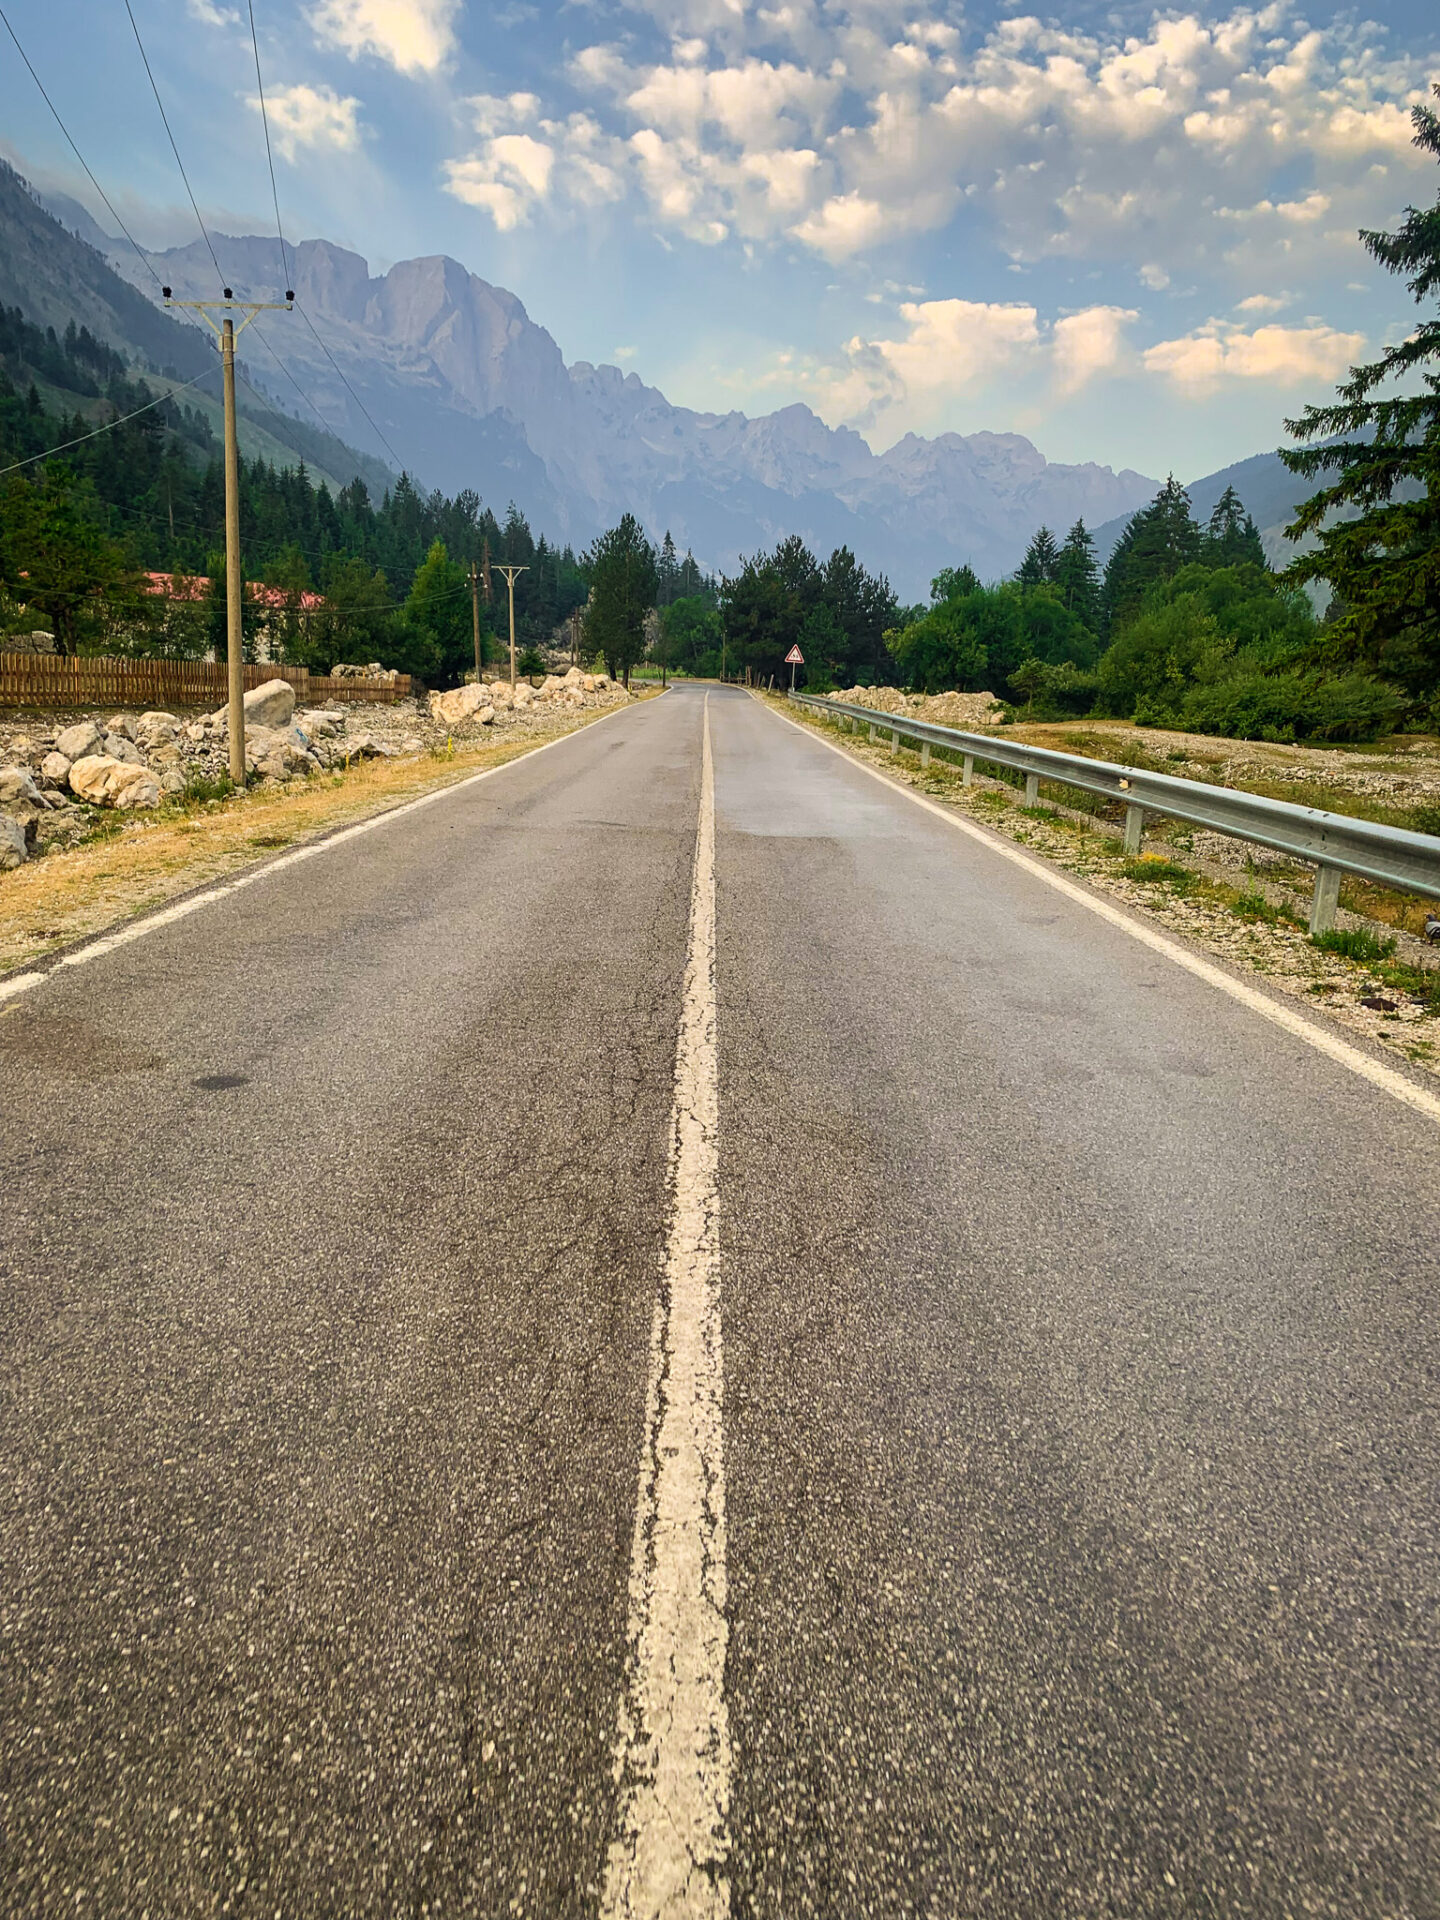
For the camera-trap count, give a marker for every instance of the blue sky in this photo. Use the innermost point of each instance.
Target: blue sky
(1128, 233)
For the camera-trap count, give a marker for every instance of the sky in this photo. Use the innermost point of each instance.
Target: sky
(1128, 233)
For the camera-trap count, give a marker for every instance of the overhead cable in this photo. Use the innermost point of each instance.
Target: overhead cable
(140, 253)
(173, 148)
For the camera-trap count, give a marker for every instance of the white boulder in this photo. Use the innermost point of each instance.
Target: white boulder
(524, 695)
(322, 723)
(465, 703)
(120, 748)
(107, 782)
(55, 768)
(272, 704)
(121, 724)
(75, 742)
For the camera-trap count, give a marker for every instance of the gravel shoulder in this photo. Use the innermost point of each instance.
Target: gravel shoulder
(1247, 915)
(123, 864)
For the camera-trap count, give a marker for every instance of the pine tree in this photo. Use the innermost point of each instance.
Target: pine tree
(667, 569)
(1232, 538)
(1078, 576)
(1042, 557)
(1383, 558)
(622, 592)
(1158, 541)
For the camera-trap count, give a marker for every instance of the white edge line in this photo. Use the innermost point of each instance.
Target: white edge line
(167, 916)
(1375, 1071)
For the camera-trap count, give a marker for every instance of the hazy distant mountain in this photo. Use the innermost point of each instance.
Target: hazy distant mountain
(54, 266)
(470, 392)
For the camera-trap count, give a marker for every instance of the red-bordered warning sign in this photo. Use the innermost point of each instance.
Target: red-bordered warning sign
(794, 658)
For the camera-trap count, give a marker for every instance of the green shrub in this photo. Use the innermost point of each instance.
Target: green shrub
(1293, 706)
(1424, 818)
(1354, 943)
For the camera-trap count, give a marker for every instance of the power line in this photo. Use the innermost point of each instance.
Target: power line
(139, 251)
(173, 148)
(400, 464)
(109, 426)
(269, 156)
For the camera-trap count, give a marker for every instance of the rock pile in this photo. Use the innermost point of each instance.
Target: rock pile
(477, 705)
(963, 710)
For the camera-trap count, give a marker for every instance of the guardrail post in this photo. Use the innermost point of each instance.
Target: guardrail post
(1134, 828)
(967, 770)
(1032, 789)
(894, 739)
(1325, 899)
(873, 736)
(925, 754)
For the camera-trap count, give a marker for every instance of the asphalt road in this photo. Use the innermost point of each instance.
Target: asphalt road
(1080, 1360)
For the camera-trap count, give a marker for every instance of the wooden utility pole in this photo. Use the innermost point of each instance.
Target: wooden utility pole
(227, 334)
(475, 614)
(511, 574)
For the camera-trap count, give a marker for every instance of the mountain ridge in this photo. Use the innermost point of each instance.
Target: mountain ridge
(471, 391)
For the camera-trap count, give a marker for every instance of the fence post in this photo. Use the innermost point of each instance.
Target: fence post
(925, 754)
(1325, 899)
(1032, 789)
(1134, 828)
(967, 771)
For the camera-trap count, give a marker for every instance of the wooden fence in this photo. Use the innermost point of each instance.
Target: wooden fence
(59, 680)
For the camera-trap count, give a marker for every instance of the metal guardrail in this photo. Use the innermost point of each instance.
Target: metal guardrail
(1333, 843)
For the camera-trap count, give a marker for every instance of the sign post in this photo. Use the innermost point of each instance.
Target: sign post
(794, 658)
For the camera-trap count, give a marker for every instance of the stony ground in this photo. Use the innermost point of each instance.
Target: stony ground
(1244, 906)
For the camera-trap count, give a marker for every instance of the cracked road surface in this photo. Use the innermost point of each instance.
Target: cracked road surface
(1062, 1387)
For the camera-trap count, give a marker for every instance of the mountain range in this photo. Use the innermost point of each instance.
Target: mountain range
(449, 377)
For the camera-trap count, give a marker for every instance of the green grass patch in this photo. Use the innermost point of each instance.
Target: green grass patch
(1153, 870)
(1354, 943)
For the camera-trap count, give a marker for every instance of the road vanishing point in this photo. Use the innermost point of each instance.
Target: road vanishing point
(665, 1333)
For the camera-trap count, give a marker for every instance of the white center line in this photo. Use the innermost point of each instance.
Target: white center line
(672, 1752)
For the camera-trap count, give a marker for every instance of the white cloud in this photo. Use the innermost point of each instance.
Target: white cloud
(414, 36)
(1088, 344)
(849, 126)
(302, 116)
(952, 349)
(1219, 353)
(209, 15)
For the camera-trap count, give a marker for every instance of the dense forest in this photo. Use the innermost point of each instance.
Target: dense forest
(78, 533)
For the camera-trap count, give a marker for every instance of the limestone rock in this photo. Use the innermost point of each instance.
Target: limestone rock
(270, 705)
(172, 781)
(107, 782)
(120, 748)
(322, 722)
(122, 725)
(155, 730)
(75, 742)
(14, 843)
(524, 695)
(39, 641)
(16, 785)
(55, 769)
(454, 709)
